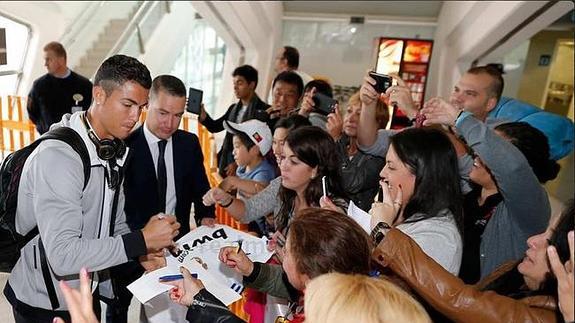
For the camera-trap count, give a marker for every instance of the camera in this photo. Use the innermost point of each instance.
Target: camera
(383, 82)
(323, 104)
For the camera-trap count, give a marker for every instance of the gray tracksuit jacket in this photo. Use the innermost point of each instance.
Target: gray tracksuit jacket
(73, 222)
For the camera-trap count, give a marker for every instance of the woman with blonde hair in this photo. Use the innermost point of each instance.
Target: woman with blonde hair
(343, 298)
(359, 170)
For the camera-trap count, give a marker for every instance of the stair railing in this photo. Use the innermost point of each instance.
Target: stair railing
(134, 26)
(80, 23)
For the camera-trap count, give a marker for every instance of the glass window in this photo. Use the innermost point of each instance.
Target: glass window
(17, 36)
(201, 62)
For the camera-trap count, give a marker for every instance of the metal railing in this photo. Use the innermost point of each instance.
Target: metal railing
(80, 23)
(139, 26)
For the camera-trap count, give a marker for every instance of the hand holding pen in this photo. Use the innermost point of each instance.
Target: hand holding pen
(234, 257)
(186, 286)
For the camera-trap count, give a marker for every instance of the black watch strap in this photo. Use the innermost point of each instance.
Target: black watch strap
(378, 232)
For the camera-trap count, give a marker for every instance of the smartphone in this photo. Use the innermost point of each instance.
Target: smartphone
(383, 82)
(195, 101)
(324, 185)
(380, 195)
(323, 104)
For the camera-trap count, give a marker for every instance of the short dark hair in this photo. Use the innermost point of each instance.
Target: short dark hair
(535, 147)
(248, 72)
(344, 248)
(496, 86)
(292, 122)
(119, 69)
(291, 54)
(169, 84)
(321, 86)
(57, 48)
(430, 156)
(290, 77)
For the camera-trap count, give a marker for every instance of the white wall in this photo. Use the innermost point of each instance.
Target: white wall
(51, 21)
(164, 46)
(45, 21)
(342, 52)
(468, 29)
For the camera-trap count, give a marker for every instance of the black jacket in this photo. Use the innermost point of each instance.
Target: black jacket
(140, 183)
(360, 174)
(207, 308)
(51, 97)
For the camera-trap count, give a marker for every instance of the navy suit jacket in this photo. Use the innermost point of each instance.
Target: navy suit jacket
(141, 186)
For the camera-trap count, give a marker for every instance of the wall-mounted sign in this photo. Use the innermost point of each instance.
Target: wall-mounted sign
(544, 60)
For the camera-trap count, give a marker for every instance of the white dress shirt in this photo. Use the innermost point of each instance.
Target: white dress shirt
(152, 141)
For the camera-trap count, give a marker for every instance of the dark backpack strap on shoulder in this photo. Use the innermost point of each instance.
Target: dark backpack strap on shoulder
(72, 138)
(47, 278)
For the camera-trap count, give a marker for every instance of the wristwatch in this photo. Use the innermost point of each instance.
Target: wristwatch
(379, 231)
(225, 205)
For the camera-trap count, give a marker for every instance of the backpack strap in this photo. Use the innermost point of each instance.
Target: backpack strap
(47, 278)
(72, 138)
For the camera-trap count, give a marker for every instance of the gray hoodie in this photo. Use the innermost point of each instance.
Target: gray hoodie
(73, 222)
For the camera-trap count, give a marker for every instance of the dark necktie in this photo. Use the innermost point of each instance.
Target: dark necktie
(162, 180)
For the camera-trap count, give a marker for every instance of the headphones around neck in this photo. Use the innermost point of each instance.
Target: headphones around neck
(106, 149)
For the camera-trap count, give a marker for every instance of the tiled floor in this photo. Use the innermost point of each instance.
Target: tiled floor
(6, 310)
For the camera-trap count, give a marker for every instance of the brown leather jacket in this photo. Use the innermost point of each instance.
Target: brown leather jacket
(449, 295)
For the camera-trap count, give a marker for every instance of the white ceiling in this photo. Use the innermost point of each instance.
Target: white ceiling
(380, 8)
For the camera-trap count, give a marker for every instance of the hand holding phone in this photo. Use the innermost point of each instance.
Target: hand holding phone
(383, 82)
(323, 103)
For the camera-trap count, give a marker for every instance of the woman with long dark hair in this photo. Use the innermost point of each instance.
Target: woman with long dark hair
(421, 178)
(308, 155)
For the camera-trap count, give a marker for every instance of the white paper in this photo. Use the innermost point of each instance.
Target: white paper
(148, 286)
(204, 244)
(360, 216)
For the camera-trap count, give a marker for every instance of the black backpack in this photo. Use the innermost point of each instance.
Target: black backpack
(11, 241)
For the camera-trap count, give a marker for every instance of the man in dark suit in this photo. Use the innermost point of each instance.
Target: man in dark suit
(165, 174)
(249, 106)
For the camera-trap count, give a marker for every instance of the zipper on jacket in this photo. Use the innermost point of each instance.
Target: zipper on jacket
(205, 304)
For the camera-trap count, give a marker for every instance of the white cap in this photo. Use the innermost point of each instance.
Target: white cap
(256, 130)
